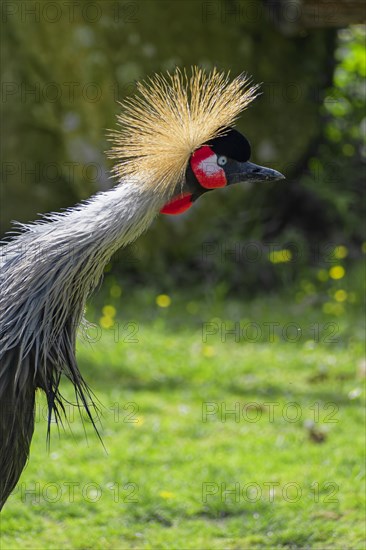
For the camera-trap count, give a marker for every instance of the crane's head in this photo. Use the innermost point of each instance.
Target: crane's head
(222, 162)
(176, 137)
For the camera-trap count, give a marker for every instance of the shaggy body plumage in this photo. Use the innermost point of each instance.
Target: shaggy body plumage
(47, 273)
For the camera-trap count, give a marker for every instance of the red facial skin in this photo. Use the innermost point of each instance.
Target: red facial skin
(204, 165)
(208, 173)
(178, 204)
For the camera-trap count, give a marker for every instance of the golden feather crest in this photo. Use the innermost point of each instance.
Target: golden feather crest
(171, 116)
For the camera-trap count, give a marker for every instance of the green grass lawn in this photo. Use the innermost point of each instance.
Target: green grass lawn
(210, 443)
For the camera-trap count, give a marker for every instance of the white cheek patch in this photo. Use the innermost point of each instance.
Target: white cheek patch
(209, 166)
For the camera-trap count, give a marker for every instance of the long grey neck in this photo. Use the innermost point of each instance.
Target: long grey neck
(109, 219)
(54, 265)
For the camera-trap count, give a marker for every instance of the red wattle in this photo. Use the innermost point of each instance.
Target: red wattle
(179, 204)
(204, 165)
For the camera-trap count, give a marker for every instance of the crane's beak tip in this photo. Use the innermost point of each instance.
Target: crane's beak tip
(280, 176)
(254, 172)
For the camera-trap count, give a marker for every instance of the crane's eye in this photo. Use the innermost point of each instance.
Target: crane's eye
(221, 161)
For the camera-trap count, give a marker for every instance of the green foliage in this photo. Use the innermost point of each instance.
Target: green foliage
(336, 173)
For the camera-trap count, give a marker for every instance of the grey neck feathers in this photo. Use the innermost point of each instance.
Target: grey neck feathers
(51, 267)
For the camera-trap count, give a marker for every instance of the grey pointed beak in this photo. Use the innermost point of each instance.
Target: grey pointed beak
(248, 171)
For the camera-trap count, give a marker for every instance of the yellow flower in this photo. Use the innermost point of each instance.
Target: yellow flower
(280, 256)
(166, 494)
(337, 272)
(139, 421)
(106, 321)
(208, 351)
(109, 311)
(340, 252)
(163, 300)
(340, 295)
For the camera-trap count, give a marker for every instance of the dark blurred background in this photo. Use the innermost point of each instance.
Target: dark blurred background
(66, 65)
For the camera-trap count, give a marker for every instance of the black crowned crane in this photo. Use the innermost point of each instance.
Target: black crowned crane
(175, 143)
